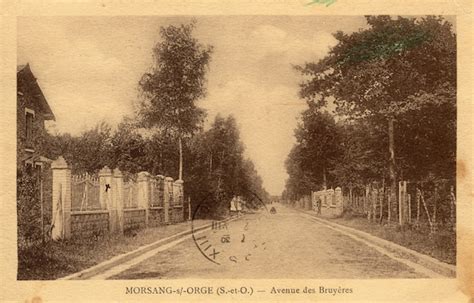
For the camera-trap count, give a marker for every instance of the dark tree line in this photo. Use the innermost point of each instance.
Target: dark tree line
(215, 166)
(394, 90)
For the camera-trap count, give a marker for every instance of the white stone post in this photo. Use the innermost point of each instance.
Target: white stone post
(161, 188)
(178, 192)
(375, 196)
(117, 193)
(339, 201)
(168, 195)
(105, 182)
(105, 195)
(144, 193)
(61, 217)
(189, 209)
(178, 195)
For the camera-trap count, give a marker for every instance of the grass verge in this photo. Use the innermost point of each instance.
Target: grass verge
(440, 245)
(57, 259)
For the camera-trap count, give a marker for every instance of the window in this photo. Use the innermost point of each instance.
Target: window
(29, 119)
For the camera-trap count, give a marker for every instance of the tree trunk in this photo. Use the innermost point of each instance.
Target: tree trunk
(325, 184)
(350, 198)
(453, 208)
(389, 205)
(180, 143)
(418, 203)
(162, 168)
(382, 194)
(426, 210)
(210, 163)
(435, 208)
(393, 177)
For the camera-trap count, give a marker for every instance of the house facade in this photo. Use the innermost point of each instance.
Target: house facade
(32, 112)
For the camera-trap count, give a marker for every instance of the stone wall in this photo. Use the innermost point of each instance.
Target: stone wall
(134, 219)
(89, 223)
(156, 216)
(176, 214)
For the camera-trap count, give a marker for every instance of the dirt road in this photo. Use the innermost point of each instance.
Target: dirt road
(273, 246)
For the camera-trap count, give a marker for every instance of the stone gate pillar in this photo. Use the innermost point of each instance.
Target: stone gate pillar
(161, 190)
(117, 194)
(105, 192)
(178, 197)
(143, 200)
(105, 195)
(402, 203)
(61, 216)
(168, 198)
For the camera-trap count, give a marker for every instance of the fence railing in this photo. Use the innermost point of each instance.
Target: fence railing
(106, 203)
(430, 204)
(130, 193)
(85, 192)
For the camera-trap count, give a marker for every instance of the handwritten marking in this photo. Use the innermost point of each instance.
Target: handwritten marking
(327, 2)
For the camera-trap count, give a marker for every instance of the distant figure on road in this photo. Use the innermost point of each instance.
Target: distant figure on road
(273, 210)
(318, 205)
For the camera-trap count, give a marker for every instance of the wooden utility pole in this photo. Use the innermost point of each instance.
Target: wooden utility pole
(391, 147)
(180, 143)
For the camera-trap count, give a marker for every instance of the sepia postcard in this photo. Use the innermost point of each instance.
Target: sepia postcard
(247, 151)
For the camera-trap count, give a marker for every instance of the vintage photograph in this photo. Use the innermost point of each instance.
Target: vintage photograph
(236, 147)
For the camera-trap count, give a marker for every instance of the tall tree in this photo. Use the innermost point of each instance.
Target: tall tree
(393, 67)
(363, 158)
(319, 139)
(311, 162)
(175, 83)
(218, 170)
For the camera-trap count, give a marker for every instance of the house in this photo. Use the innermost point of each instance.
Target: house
(32, 112)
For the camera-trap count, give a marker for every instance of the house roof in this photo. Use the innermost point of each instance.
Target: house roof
(20, 67)
(36, 158)
(24, 72)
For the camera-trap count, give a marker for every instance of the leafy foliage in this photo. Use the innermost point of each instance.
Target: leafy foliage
(377, 71)
(175, 83)
(313, 157)
(215, 162)
(402, 69)
(28, 208)
(219, 169)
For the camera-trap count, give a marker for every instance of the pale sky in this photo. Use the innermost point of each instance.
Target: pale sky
(89, 67)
